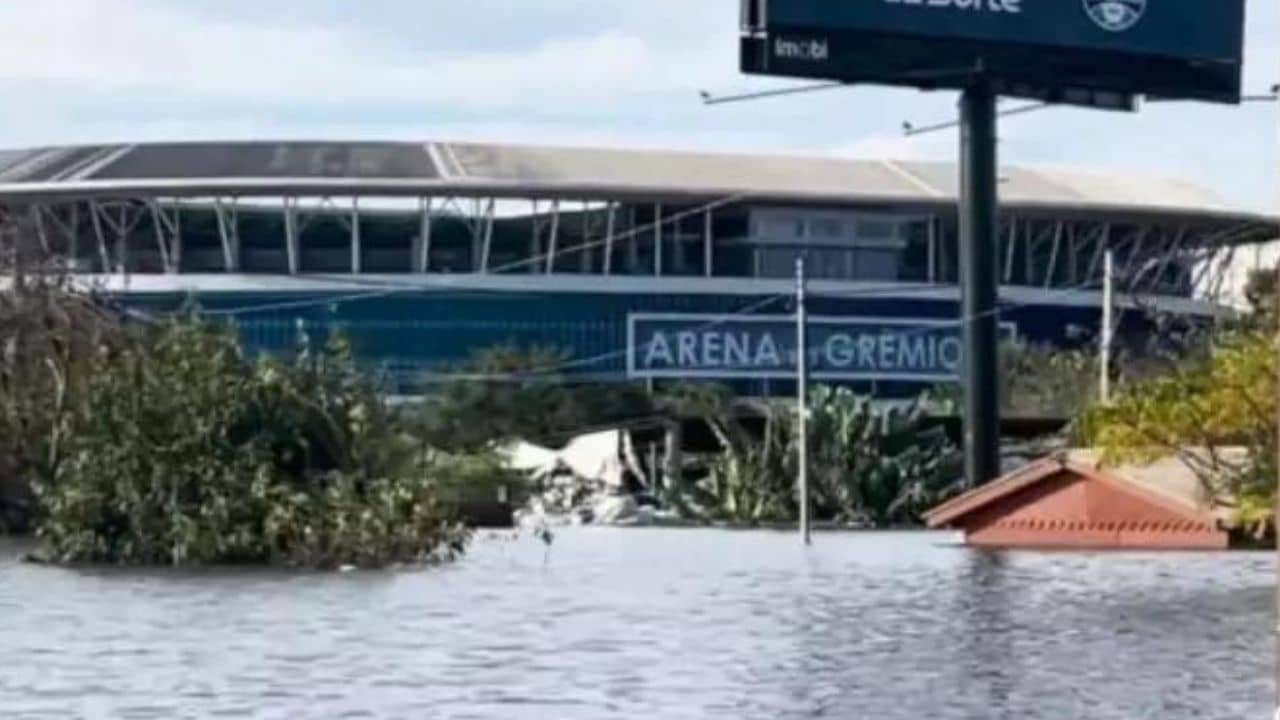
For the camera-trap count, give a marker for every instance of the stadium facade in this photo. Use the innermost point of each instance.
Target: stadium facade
(632, 264)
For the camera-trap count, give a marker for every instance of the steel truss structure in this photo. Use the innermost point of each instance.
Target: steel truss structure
(171, 235)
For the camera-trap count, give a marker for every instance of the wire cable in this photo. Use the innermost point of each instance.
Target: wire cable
(386, 289)
(605, 357)
(885, 291)
(446, 282)
(957, 323)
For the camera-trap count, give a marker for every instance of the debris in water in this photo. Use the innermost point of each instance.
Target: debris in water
(543, 533)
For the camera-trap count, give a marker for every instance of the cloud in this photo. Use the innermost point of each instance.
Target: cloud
(611, 72)
(138, 48)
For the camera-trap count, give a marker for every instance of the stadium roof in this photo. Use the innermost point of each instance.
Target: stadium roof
(451, 168)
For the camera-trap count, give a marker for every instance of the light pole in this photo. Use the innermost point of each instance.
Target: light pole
(802, 400)
(1108, 311)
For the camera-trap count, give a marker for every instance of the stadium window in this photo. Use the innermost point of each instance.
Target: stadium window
(876, 231)
(777, 226)
(877, 263)
(826, 228)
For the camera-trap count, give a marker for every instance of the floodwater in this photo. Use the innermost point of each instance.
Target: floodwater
(654, 624)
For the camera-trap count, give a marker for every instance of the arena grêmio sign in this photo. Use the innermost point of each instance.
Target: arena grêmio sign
(1091, 52)
(764, 346)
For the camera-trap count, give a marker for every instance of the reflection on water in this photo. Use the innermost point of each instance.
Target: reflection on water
(657, 624)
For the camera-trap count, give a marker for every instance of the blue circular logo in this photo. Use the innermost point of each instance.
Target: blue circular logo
(1115, 15)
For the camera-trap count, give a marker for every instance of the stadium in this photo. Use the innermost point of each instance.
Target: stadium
(634, 265)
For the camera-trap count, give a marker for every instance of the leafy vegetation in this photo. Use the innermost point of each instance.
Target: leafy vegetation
(48, 336)
(752, 478)
(508, 392)
(131, 442)
(474, 477)
(179, 451)
(883, 466)
(1225, 397)
(1213, 406)
(868, 464)
(1037, 381)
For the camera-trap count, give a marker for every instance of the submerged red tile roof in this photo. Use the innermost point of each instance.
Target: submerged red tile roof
(1071, 500)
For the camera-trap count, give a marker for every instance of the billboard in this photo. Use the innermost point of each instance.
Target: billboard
(1091, 52)
(679, 345)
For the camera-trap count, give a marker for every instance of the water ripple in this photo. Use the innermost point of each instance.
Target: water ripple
(653, 624)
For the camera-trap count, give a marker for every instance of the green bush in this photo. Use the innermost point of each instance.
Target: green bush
(1200, 411)
(476, 477)
(877, 465)
(507, 392)
(1036, 381)
(181, 452)
(48, 335)
(868, 464)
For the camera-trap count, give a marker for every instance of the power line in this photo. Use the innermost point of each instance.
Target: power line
(871, 292)
(445, 282)
(592, 360)
(388, 289)
(885, 291)
(910, 130)
(604, 357)
(1225, 236)
(709, 99)
(546, 372)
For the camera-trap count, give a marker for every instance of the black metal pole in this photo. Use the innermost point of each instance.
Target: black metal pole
(978, 283)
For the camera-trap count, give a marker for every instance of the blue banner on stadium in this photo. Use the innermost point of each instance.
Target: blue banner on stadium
(764, 346)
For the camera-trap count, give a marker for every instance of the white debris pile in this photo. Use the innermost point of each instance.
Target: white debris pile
(584, 482)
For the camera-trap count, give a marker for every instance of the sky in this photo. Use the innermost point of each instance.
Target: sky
(568, 72)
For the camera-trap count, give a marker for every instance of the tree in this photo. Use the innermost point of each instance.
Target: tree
(1039, 380)
(179, 451)
(1224, 397)
(49, 331)
(507, 393)
(1036, 381)
(1043, 381)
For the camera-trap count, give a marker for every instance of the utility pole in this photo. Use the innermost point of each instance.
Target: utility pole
(977, 214)
(1275, 521)
(1108, 309)
(802, 400)
(1275, 526)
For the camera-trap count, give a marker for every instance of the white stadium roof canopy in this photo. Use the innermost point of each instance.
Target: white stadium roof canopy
(465, 169)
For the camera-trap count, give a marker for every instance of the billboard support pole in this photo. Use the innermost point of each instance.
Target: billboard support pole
(977, 214)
